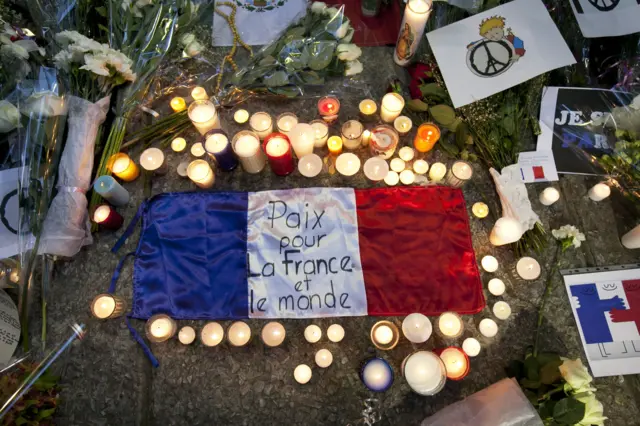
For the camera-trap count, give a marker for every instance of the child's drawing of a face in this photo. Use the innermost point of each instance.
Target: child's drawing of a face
(494, 34)
(609, 287)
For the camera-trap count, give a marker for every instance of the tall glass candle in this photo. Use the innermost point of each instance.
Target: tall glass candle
(107, 306)
(334, 144)
(375, 169)
(106, 216)
(631, 239)
(599, 192)
(216, 143)
(246, 145)
(201, 173)
(347, 164)
(384, 140)
(455, 362)
(450, 325)
(377, 375)
(262, 124)
(178, 104)
(110, 190)
(352, 134)
(203, 116)
(285, 122)
(310, 165)
(199, 94)
(403, 125)
(426, 137)
(385, 335)
(123, 167)
(329, 107)
(322, 133)
(415, 19)
(302, 138)
(424, 372)
(178, 144)
(368, 108)
(160, 328)
(391, 107)
(152, 160)
(459, 174)
(278, 150)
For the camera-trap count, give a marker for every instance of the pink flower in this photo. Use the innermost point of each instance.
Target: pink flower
(418, 72)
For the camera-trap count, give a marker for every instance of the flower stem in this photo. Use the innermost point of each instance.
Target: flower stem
(545, 296)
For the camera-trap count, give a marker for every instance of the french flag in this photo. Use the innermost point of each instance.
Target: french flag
(303, 253)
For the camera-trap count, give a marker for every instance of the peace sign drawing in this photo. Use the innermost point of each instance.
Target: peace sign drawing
(496, 52)
(601, 5)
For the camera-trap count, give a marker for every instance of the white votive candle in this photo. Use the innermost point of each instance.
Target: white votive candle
(324, 358)
(241, 116)
(160, 328)
(471, 346)
(367, 108)
(197, 149)
(178, 144)
(246, 145)
(335, 333)
(201, 173)
(203, 116)
(347, 164)
(302, 137)
(406, 153)
(407, 177)
(528, 268)
(187, 335)
(385, 335)
(182, 169)
(262, 124)
(599, 192)
(310, 165)
(392, 178)
(437, 172)
(321, 130)
(273, 334)
(489, 263)
(403, 125)
(417, 328)
(199, 94)
(480, 210)
(549, 196)
(420, 167)
(302, 374)
(506, 230)
(285, 122)
(631, 239)
(212, 334)
(152, 160)
(239, 333)
(391, 107)
(397, 165)
(459, 174)
(312, 333)
(106, 306)
(502, 310)
(375, 169)
(450, 325)
(488, 327)
(496, 286)
(424, 372)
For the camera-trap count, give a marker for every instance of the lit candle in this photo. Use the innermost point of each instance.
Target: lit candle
(278, 150)
(178, 144)
(239, 334)
(502, 310)
(182, 169)
(368, 109)
(201, 174)
(352, 134)
(329, 107)
(199, 94)
(528, 268)
(549, 196)
(385, 335)
(384, 140)
(392, 178)
(123, 167)
(216, 144)
(152, 160)
(631, 239)
(420, 167)
(599, 192)
(160, 328)
(302, 138)
(241, 116)
(459, 174)
(312, 333)
(417, 328)
(426, 137)
(262, 124)
(375, 169)
(406, 153)
(416, 14)
(321, 133)
(105, 216)
(496, 286)
(397, 165)
(197, 149)
(246, 145)
(14, 275)
(302, 374)
(450, 325)
(110, 190)
(186, 335)
(366, 137)
(471, 346)
(407, 177)
(178, 104)
(480, 210)
(489, 263)
(310, 165)
(203, 116)
(455, 362)
(488, 327)
(506, 230)
(424, 372)
(107, 306)
(347, 164)
(403, 125)
(335, 145)
(437, 172)
(324, 358)
(377, 375)
(285, 122)
(273, 334)
(335, 333)
(391, 107)
(212, 334)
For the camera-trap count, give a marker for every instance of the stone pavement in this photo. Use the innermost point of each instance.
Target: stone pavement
(108, 381)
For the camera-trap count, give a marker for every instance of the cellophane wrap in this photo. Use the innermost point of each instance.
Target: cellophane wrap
(501, 404)
(66, 228)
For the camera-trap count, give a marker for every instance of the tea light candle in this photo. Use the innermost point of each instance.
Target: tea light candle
(375, 169)
(262, 124)
(424, 372)
(352, 134)
(197, 149)
(406, 153)
(241, 116)
(391, 107)
(397, 165)
(201, 174)
(285, 122)
(367, 108)
(366, 137)
(599, 192)
(324, 358)
(199, 94)
(123, 167)
(488, 327)
(407, 177)
(455, 362)
(105, 216)
(426, 137)
(631, 239)
(392, 178)
(14, 276)
(203, 116)
(416, 14)
(273, 334)
(385, 335)
(216, 144)
(321, 133)
(239, 334)
(471, 346)
(335, 145)
(528, 268)
(152, 160)
(310, 165)
(110, 190)
(450, 325)
(377, 375)
(335, 333)
(246, 145)
(502, 310)
(506, 230)
(480, 210)
(384, 140)
(187, 335)
(549, 196)
(459, 174)
(302, 374)
(420, 167)
(496, 286)
(107, 306)
(403, 125)
(347, 164)
(329, 107)
(417, 328)
(278, 150)
(160, 328)
(178, 104)
(178, 144)
(489, 263)
(212, 334)
(302, 138)
(437, 172)
(312, 333)
(182, 169)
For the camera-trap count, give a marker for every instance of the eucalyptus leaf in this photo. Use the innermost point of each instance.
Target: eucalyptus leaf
(311, 78)
(267, 60)
(462, 135)
(417, 105)
(433, 89)
(321, 54)
(289, 91)
(443, 114)
(568, 411)
(276, 79)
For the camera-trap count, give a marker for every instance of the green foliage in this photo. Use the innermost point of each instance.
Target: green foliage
(568, 411)
(38, 406)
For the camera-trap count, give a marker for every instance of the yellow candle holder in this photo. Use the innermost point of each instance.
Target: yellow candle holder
(123, 167)
(382, 329)
(178, 104)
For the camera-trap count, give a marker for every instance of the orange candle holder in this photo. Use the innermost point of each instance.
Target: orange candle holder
(456, 362)
(426, 137)
(123, 167)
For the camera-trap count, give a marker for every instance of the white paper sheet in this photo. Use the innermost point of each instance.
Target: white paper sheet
(607, 18)
(9, 327)
(537, 166)
(9, 242)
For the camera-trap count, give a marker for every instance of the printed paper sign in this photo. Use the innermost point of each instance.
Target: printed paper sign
(498, 49)
(9, 215)
(304, 256)
(607, 18)
(9, 327)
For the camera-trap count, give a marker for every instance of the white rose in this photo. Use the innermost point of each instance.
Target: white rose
(16, 50)
(353, 68)
(330, 11)
(348, 52)
(9, 117)
(63, 60)
(45, 104)
(349, 36)
(342, 31)
(193, 49)
(575, 373)
(318, 7)
(187, 39)
(593, 412)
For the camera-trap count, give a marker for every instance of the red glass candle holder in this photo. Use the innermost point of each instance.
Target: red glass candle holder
(106, 216)
(329, 107)
(277, 146)
(456, 366)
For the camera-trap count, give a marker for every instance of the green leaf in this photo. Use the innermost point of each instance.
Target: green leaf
(43, 414)
(443, 114)
(288, 91)
(417, 105)
(278, 78)
(321, 54)
(532, 369)
(568, 411)
(546, 409)
(462, 135)
(530, 384)
(449, 148)
(547, 357)
(311, 78)
(531, 396)
(432, 89)
(509, 124)
(473, 157)
(295, 32)
(550, 373)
